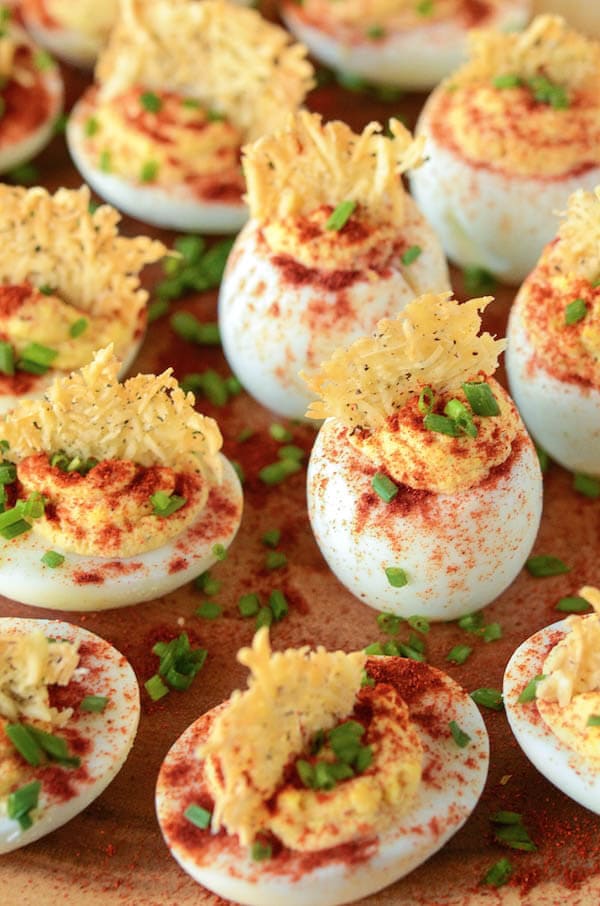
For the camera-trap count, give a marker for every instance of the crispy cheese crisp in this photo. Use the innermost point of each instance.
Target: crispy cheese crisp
(579, 232)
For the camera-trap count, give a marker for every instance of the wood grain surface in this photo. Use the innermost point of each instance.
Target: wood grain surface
(114, 853)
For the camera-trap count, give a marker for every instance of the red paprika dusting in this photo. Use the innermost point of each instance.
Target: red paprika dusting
(80, 577)
(12, 297)
(177, 564)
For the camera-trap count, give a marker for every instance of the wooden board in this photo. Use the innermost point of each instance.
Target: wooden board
(113, 853)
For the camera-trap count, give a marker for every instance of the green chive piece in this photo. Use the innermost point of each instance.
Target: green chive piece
(459, 736)
(164, 504)
(78, 327)
(421, 624)
(477, 280)
(375, 32)
(25, 743)
(278, 604)
(39, 355)
(509, 80)
(492, 632)
(207, 584)
(498, 874)
(215, 116)
(261, 851)
(471, 622)
(547, 92)
(7, 358)
(364, 759)
(91, 126)
(461, 417)
(275, 560)
(214, 388)
(530, 690)
(157, 309)
(305, 772)
(271, 538)
(593, 720)
(340, 215)
(396, 576)
(586, 485)
(209, 610)
(426, 400)
(43, 60)
(515, 836)
(244, 435)
(410, 651)
(198, 816)
(459, 654)
(505, 817)
(264, 617)
(543, 458)
(149, 171)
(191, 103)
(573, 604)
(95, 704)
(481, 399)
(52, 559)
(151, 102)
(105, 161)
(488, 698)
(374, 648)
(366, 680)
(441, 424)
(575, 311)
(280, 433)
(22, 801)
(219, 551)
(351, 82)
(14, 529)
(189, 328)
(291, 451)
(384, 486)
(410, 255)
(425, 7)
(8, 472)
(277, 472)
(249, 604)
(190, 247)
(55, 747)
(24, 175)
(389, 623)
(155, 688)
(546, 565)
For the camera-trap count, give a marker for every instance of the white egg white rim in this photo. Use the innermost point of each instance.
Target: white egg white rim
(72, 46)
(562, 766)
(33, 583)
(173, 208)
(8, 400)
(31, 144)
(400, 849)
(121, 714)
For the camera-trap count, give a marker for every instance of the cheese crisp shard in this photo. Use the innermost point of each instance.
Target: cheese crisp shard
(88, 17)
(547, 47)
(434, 342)
(228, 58)
(291, 694)
(579, 232)
(311, 163)
(148, 420)
(54, 240)
(29, 663)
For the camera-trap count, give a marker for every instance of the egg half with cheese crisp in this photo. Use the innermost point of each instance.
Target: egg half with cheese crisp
(74, 32)
(114, 493)
(408, 43)
(553, 334)
(552, 700)
(69, 710)
(510, 136)
(334, 244)
(68, 285)
(31, 95)
(424, 488)
(179, 88)
(321, 783)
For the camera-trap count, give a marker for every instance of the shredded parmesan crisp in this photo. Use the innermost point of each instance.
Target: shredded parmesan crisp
(433, 342)
(228, 58)
(579, 249)
(88, 17)
(310, 163)
(29, 663)
(54, 240)
(547, 47)
(148, 419)
(12, 38)
(290, 695)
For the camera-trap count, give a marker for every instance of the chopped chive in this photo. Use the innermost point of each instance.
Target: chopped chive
(351, 82)
(366, 680)
(55, 747)
(198, 816)
(575, 311)
(389, 623)
(459, 654)
(396, 576)
(94, 703)
(219, 551)
(481, 399)
(384, 486)
(261, 851)
(209, 610)
(529, 691)
(375, 32)
(573, 604)
(264, 617)
(164, 504)
(426, 400)
(459, 736)
(271, 538)
(278, 604)
(425, 7)
(280, 433)
(207, 584)
(244, 435)
(25, 743)
(155, 687)
(275, 560)
(8, 472)
(498, 874)
(233, 384)
(190, 247)
(441, 424)
(149, 171)
(14, 529)
(340, 215)
(374, 648)
(586, 485)
(545, 565)
(22, 801)
(277, 472)
(543, 458)
(104, 161)
(411, 651)
(492, 632)
(291, 451)
(305, 772)
(509, 80)
(24, 174)
(215, 116)
(39, 355)
(91, 126)
(78, 327)
(411, 254)
(421, 624)
(488, 698)
(192, 103)
(506, 817)
(214, 388)
(471, 622)
(593, 720)
(7, 358)
(157, 309)
(364, 759)
(547, 92)
(478, 280)
(515, 836)
(52, 559)
(151, 102)
(249, 605)
(43, 60)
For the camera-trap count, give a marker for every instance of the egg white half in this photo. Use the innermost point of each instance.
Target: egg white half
(563, 767)
(495, 220)
(412, 58)
(17, 153)
(564, 417)
(110, 733)
(71, 46)
(459, 551)
(117, 583)
(174, 208)
(442, 805)
(272, 328)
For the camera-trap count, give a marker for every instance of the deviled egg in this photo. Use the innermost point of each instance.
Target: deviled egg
(321, 783)
(74, 32)
(552, 700)
(581, 14)
(179, 88)
(333, 245)
(31, 94)
(69, 710)
(68, 285)
(409, 43)
(424, 488)
(553, 334)
(510, 136)
(113, 493)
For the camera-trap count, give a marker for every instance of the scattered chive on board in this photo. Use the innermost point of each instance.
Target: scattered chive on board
(544, 565)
